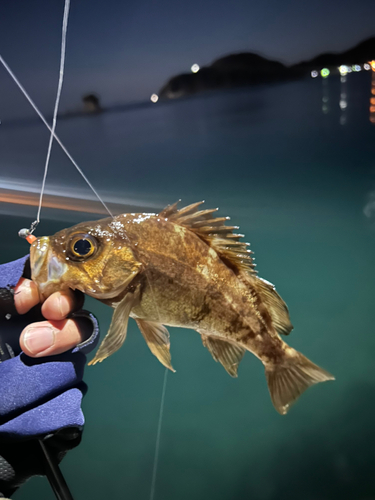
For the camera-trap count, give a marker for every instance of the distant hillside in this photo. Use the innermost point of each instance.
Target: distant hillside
(227, 72)
(361, 53)
(236, 70)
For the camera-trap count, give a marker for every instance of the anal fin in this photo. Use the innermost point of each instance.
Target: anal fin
(157, 339)
(118, 328)
(229, 355)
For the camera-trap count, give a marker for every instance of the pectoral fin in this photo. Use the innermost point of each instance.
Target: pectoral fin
(229, 355)
(157, 338)
(117, 331)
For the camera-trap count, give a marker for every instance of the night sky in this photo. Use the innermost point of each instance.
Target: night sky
(125, 50)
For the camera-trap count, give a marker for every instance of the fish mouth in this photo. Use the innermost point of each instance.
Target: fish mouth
(46, 269)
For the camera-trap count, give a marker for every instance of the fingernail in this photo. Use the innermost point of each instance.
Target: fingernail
(60, 305)
(26, 289)
(63, 305)
(39, 339)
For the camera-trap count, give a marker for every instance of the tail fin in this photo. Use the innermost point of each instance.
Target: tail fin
(287, 381)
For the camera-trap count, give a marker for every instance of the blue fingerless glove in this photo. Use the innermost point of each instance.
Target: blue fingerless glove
(39, 398)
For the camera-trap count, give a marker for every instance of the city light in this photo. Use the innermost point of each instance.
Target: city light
(343, 70)
(195, 68)
(154, 98)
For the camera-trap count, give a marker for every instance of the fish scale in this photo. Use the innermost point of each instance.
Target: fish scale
(181, 268)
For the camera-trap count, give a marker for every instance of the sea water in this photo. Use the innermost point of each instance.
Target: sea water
(293, 165)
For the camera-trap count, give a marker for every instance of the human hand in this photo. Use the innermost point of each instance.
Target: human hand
(57, 334)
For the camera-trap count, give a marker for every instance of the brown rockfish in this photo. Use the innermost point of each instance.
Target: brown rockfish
(180, 268)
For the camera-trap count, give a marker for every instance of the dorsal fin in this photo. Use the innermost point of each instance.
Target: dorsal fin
(276, 307)
(215, 233)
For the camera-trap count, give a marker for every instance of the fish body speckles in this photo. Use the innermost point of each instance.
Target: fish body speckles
(181, 268)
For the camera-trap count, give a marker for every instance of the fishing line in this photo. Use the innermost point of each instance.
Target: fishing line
(158, 434)
(161, 412)
(53, 133)
(54, 120)
(36, 222)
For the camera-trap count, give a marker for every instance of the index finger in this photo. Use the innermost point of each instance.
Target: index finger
(59, 305)
(26, 295)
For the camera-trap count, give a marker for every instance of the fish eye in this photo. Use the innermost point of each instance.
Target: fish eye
(82, 246)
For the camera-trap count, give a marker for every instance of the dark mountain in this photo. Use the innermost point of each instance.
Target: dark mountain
(361, 53)
(227, 72)
(244, 69)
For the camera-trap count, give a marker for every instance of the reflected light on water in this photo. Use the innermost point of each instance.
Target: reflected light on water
(325, 96)
(372, 99)
(343, 102)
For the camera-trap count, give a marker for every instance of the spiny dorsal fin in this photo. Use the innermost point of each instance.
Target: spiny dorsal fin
(171, 210)
(229, 355)
(215, 233)
(276, 307)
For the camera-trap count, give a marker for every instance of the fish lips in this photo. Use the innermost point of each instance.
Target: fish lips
(46, 269)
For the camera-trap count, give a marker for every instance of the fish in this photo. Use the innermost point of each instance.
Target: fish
(181, 268)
